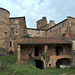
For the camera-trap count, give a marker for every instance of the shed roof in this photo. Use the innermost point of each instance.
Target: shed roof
(43, 40)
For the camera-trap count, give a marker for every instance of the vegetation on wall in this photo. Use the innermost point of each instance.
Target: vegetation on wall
(46, 57)
(25, 36)
(32, 59)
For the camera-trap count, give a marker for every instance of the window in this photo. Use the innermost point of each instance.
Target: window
(50, 65)
(5, 33)
(59, 50)
(10, 43)
(62, 24)
(12, 30)
(50, 30)
(14, 19)
(36, 51)
(38, 32)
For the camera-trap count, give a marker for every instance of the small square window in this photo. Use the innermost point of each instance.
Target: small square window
(12, 30)
(14, 19)
(50, 30)
(62, 24)
(5, 33)
(38, 32)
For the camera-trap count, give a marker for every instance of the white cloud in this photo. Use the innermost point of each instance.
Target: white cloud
(34, 10)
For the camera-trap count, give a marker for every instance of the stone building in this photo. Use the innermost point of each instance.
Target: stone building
(11, 30)
(57, 39)
(59, 51)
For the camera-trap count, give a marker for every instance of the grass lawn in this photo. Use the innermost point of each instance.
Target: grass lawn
(10, 67)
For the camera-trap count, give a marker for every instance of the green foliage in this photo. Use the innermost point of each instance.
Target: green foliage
(25, 36)
(10, 66)
(32, 62)
(30, 55)
(46, 58)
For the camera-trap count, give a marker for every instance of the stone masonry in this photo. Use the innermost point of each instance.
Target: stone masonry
(13, 28)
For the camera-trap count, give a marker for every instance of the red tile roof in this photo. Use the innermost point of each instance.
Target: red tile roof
(43, 40)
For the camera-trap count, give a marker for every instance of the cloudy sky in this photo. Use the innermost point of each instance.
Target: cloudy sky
(34, 10)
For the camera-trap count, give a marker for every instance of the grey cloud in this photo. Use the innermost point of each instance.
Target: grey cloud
(34, 10)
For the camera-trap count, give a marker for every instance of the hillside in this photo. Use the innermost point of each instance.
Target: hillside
(10, 67)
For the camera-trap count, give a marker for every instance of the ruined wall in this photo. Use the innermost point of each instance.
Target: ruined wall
(36, 33)
(30, 49)
(66, 49)
(67, 53)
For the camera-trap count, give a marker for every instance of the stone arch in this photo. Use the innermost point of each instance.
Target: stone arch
(63, 35)
(63, 61)
(39, 64)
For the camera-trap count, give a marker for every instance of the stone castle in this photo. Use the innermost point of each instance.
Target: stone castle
(56, 39)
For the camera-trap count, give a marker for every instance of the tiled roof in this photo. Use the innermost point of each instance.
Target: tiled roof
(43, 40)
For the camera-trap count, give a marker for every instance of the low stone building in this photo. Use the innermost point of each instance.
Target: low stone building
(58, 50)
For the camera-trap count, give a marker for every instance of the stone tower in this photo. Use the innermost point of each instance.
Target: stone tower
(41, 23)
(4, 28)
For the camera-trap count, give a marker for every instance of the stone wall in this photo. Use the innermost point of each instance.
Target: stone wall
(36, 33)
(71, 24)
(30, 49)
(20, 29)
(4, 28)
(57, 30)
(66, 49)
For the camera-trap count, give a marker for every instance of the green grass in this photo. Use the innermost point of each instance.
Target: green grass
(10, 66)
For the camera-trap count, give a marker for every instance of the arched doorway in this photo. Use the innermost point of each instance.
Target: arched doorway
(39, 64)
(63, 61)
(63, 35)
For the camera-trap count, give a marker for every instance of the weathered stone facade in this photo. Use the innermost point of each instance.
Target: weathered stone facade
(65, 52)
(12, 29)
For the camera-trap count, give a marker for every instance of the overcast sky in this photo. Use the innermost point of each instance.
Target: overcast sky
(34, 10)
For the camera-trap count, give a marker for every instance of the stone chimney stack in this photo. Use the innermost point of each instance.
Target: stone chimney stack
(67, 33)
(52, 23)
(41, 22)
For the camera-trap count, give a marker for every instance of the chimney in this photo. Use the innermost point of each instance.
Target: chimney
(52, 23)
(41, 22)
(68, 16)
(44, 18)
(66, 33)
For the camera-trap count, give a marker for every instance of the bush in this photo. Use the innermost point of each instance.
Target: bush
(25, 36)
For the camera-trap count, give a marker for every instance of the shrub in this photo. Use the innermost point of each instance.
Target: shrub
(26, 36)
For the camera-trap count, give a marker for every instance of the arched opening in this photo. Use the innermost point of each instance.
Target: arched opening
(64, 62)
(36, 51)
(63, 35)
(59, 50)
(39, 64)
